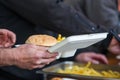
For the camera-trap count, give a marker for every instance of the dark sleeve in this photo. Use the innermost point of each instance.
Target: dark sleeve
(54, 15)
(100, 47)
(104, 12)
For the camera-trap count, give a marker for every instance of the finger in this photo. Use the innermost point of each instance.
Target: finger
(101, 58)
(50, 56)
(42, 48)
(92, 60)
(4, 39)
(12, 37)
(40, 66)
(1, 46)
(2, 31)
(118, 57)
(119, 63)
(46, 54)
(36, 66)
(49, 60)
(3, 36)
(44, 61)
(7, 44)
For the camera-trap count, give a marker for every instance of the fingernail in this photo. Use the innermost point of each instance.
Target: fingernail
(48, 63)
(96, 62)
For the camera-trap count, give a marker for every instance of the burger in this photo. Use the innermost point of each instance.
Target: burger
(42, 40)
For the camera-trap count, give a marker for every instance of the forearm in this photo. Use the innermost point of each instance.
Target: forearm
(6, 57)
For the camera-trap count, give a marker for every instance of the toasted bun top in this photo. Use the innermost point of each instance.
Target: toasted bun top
(43, 40)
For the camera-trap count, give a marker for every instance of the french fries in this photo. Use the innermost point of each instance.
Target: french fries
(60, 38)
(86, 70)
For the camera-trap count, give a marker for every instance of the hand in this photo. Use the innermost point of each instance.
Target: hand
(119, 63)
(114, 47)
(29, 56)
(92, 57)
(7, 38)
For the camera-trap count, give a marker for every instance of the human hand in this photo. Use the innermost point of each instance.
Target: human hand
(119, 63)
(7, 38)
(29, 56)
(118, 59)
(114, 47)
(91, 57)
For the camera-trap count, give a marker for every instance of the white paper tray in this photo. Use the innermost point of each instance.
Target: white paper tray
(68, 47)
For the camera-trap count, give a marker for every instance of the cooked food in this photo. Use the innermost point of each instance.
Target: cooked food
(56, 78)
(43, 40)
(86, 70)
(60, 38)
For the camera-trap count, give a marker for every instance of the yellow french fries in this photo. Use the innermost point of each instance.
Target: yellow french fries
(60, 38)
(86, 70)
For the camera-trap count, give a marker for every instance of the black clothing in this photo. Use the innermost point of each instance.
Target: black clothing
(100, 12)
(27, 17)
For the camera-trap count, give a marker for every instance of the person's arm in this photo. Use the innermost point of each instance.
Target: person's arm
(26, 56)
(54, 15)
(103, 12)
(6, 57)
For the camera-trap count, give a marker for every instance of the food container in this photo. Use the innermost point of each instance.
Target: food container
(51, 72)
(68, 46)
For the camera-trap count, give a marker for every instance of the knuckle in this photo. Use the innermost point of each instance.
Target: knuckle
(33, 67)
(37, 62)
(37, 55)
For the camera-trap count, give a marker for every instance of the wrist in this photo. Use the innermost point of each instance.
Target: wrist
(7, 57)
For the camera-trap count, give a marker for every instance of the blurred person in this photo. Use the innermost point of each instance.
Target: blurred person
(100, 12)
(26, 56)
(43, 17)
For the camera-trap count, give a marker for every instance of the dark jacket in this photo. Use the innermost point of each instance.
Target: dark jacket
(54, 15)
(100, 12)
(27, 17)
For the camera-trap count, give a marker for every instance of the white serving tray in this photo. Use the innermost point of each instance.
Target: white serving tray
(68, 47)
